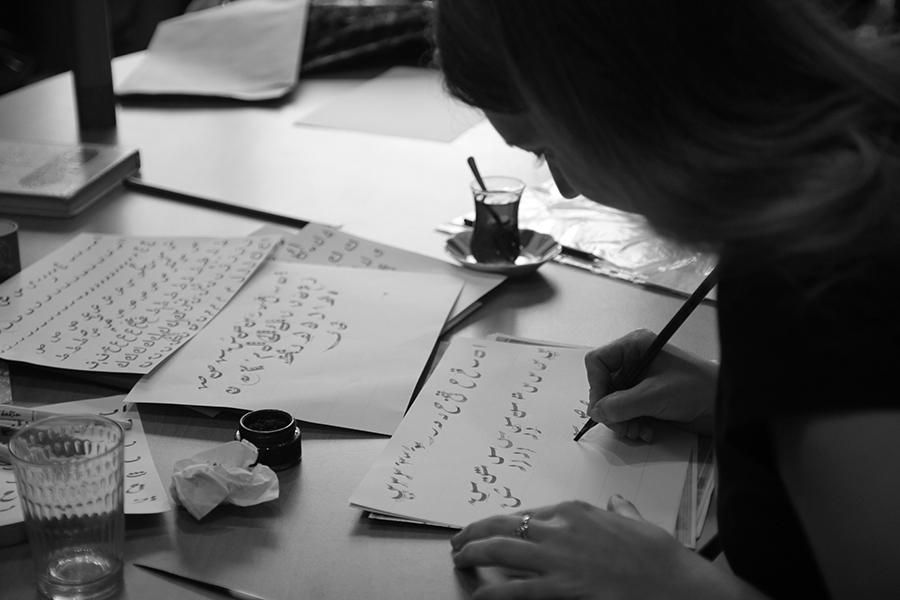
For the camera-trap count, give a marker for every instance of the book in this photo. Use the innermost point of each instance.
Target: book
(55, 179)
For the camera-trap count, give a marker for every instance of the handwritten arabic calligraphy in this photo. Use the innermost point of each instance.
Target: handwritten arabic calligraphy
(317, 244)
(503, 452)
(291, 319)
(115, 304)
(331, 345)
(491, 431)
(322, 245)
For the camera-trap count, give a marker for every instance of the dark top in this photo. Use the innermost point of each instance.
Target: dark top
(827, 341)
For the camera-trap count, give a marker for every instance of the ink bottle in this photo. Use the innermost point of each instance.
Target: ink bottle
(275, 434)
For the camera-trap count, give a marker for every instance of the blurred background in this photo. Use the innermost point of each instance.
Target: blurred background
(34, 41)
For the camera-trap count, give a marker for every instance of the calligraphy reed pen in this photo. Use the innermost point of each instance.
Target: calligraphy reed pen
(20, 415)
(221, 589)
(625, 379)
(509, 240)
(138, 185)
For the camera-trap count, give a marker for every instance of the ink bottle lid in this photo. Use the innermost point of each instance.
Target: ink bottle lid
(275, 434)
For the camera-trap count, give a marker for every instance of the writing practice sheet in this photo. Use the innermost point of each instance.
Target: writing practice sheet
(144, 491)
(342, 347)
(318, 244)
(121, 304)
(492, 431)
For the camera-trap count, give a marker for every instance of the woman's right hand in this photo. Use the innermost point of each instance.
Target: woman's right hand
(678, 387)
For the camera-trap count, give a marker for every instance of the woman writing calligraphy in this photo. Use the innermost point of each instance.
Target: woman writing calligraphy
(760, 131)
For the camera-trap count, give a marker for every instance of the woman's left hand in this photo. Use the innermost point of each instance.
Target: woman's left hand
(576, 550)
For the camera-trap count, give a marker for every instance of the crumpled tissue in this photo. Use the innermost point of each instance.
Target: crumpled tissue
(222, 474)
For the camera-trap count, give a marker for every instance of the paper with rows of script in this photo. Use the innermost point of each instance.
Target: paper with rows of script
(358, 338)
(492, 432)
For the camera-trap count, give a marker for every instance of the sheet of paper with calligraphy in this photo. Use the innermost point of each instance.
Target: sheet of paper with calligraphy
(700, 480)
(144, 491)
(318, 244)
(492, 431)
(121, 304)
(335, 346)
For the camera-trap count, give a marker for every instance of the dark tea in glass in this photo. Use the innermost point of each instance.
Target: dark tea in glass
(495, 234)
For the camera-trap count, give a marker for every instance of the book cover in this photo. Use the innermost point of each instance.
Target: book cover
(54, 179)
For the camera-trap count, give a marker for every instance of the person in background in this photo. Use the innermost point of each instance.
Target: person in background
(766, 132)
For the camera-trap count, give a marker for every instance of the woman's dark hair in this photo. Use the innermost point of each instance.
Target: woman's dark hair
(755, 123)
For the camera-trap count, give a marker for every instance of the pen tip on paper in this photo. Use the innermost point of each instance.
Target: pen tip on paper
(587, 426)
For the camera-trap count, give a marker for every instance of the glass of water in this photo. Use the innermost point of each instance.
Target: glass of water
(70, 477)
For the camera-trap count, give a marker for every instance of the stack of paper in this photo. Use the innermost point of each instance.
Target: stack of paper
(331, 345)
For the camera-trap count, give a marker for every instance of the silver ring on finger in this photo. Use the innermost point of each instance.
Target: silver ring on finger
(522, 529)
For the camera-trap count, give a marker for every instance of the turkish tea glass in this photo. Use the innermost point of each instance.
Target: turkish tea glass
(495, 233)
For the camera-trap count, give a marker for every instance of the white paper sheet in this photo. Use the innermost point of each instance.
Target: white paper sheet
(342, 347)
(249, 50)
(144, 491)
(492, 431)
(118, 304)
(318, 244)
(402, 101)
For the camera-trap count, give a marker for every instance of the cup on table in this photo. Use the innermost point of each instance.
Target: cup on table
(495, 234)
(70, 477)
